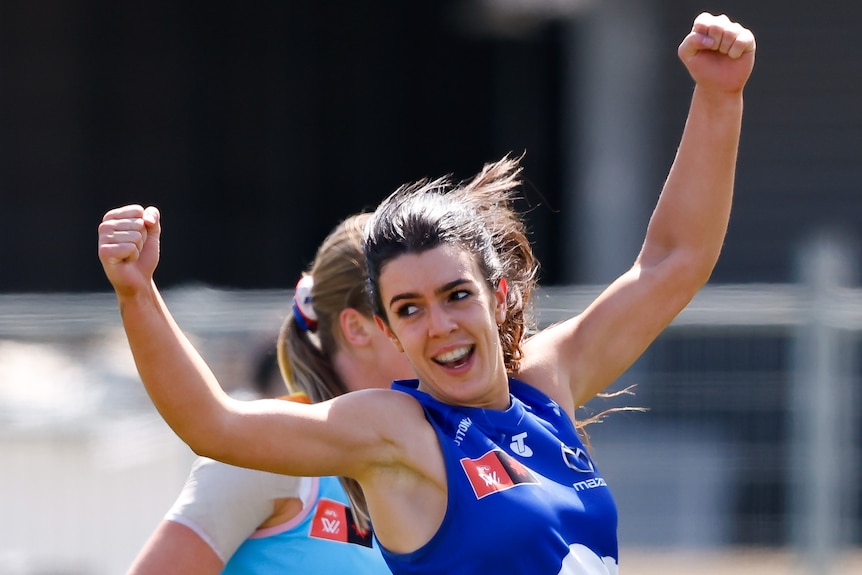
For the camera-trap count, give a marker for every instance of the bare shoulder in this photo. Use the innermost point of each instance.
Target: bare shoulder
(390, 421)
(542, 366)
(349, 435)
(381, 407)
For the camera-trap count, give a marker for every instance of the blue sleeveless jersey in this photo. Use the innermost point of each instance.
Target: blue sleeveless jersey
(524, 495)
(322, 542)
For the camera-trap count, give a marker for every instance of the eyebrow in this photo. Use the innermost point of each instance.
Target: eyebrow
(440, 290)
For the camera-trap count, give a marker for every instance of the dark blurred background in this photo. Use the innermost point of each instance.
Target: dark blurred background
(257, 126)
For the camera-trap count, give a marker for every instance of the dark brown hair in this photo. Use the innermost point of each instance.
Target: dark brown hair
(476, 215)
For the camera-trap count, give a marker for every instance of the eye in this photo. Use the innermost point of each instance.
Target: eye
(460, 294)
(406, 310)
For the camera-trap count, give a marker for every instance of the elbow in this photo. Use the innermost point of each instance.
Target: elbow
(701, 265)
(679, 275)
(211, 450)
(690, 271)
(203, 448)
(689, 265)
(206, 439)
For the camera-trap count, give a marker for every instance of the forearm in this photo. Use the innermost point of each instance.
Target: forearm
(178, 380)
(244, 433)
(692, 213)
(687, 228)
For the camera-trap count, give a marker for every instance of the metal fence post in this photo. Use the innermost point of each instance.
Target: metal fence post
(820, 457)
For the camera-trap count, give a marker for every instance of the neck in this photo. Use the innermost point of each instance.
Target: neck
(356, 373)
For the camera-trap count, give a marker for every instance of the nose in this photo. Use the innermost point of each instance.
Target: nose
(440, 321)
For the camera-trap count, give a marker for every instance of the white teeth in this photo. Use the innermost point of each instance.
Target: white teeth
(454, 355)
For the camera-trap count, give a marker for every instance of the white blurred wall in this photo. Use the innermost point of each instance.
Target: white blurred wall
(83, 501)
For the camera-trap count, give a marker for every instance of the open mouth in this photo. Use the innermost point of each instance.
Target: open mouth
(455, 358)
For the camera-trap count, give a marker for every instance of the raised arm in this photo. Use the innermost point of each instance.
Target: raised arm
(271, 435)
(684, 235)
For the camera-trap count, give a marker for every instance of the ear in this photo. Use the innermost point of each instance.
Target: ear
(353, 327)
(501, 307)
(385, 328)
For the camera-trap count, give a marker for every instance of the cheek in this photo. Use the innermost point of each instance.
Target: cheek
(413, 339)
(407, 336)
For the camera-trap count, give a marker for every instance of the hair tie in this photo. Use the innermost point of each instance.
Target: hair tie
(303, 310)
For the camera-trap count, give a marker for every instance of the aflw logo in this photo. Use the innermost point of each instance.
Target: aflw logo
(488, 475)
(331, 525)
(329, 520)
(334, 521)
(495, 471)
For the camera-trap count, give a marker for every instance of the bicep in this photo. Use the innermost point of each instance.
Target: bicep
(341, 436)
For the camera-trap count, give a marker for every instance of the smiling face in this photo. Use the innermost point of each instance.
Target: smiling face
(442, 313)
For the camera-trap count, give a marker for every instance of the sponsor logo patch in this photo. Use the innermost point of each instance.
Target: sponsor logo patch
(334, 521)
(577, 459)
(519, 446)
(495, 471)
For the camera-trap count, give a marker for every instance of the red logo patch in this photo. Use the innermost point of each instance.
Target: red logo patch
(495, 471)
(330, 521)
(334, 521)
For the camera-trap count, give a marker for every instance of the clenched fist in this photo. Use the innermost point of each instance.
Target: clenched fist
(129, 247)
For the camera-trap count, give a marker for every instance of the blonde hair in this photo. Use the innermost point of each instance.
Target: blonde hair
(305, 358)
